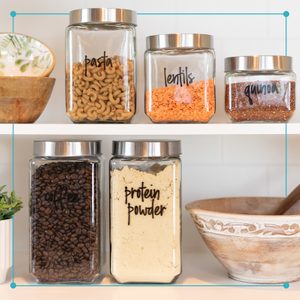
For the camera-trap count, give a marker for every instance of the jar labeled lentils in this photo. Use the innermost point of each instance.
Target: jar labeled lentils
(260, 88)
(145, 211)
(65, 211)
(100, 65)
(180, 78)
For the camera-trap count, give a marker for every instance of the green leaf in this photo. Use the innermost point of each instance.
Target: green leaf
(18, 61)
(24, 67)
(9, 204)
(28, 53)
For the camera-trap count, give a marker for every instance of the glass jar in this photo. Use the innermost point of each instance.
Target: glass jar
(145, 211)
(260, 88)
(100, 65)
(180, 78)
(65, 211)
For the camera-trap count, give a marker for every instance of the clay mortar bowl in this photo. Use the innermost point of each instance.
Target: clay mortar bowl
(23, 99)
(251, 243)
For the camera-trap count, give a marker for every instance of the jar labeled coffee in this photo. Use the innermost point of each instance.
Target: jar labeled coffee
(260, 88)
(100, 65)
(65, 211)
(180, 78)
(145, 211)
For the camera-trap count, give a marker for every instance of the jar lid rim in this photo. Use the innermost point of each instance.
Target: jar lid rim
(66, 148)
(102, 15)
(179, 41)
(146, 148)
(259, 63)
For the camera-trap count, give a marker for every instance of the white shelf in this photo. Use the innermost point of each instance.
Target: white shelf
(198, 269)
(151, 129)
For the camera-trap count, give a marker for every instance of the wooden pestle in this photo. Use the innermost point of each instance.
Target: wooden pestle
(289, 201)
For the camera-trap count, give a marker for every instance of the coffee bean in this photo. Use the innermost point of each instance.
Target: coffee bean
(65, 237)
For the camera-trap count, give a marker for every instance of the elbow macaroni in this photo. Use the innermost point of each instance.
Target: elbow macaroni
(102, 94)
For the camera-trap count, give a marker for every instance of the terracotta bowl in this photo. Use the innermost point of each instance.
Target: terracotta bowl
(23, 99)
(251, 243)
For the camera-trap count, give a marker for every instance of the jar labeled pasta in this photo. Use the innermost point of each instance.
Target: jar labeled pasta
(260, 88)
(145, 211)
(180, 73)
(65, 211)
(100, 65)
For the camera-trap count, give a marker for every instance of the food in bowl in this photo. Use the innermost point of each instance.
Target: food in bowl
(22, 55)
(251, 243)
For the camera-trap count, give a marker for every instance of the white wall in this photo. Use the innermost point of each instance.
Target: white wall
(213, 166)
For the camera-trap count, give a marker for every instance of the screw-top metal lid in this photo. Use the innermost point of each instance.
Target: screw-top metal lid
(66, 148)
(258, 63)
(146, 148)
(103, 15)
(179, 40)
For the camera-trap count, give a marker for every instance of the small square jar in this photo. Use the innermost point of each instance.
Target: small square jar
(180, 78)
(260, 88)
(65, 229)
(100, 65)
(145, 211)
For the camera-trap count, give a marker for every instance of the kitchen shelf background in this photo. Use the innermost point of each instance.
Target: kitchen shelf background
(219, 159)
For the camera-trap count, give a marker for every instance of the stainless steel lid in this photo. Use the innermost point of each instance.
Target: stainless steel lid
(146, 148)
(66, 148)
(179, 40)
(103, 15)
(258, 63)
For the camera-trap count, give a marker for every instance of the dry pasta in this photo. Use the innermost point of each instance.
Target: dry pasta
(102, 94)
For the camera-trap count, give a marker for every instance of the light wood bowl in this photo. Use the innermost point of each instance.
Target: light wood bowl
(251, 243)
(23, 99)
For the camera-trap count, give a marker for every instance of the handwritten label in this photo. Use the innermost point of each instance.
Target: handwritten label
(183, 77)
(148, 198)
(103, 60)
(62, 197)
(260, 89)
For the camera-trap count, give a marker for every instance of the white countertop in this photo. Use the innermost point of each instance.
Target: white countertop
(201, 272)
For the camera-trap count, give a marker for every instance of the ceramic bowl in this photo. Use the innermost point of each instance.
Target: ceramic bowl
(23, 99)
(22, 55)
(252, 244)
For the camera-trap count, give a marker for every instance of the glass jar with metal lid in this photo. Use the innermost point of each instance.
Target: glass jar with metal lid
(145, 211)
(101, 65)
(260, 88)
(65, 211)
(180, 78)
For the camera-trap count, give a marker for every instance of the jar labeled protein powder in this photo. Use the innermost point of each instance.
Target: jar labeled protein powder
(180, 78)
(260, 88)
(65, 211)
(145, 211)
(100, 65)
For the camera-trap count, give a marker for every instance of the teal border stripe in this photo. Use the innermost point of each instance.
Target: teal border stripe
(14, 13)
(13, 187)
(209, 14)
(285, 14)
(114, 285)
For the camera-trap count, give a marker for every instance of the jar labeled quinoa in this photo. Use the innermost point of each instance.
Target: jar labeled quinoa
(180, 72)
(260, 88)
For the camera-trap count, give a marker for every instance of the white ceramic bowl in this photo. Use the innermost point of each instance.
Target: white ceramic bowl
(252, 244)
(22, 55)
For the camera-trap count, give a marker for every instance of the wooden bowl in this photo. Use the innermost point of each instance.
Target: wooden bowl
(252, 244)
(23, 99)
